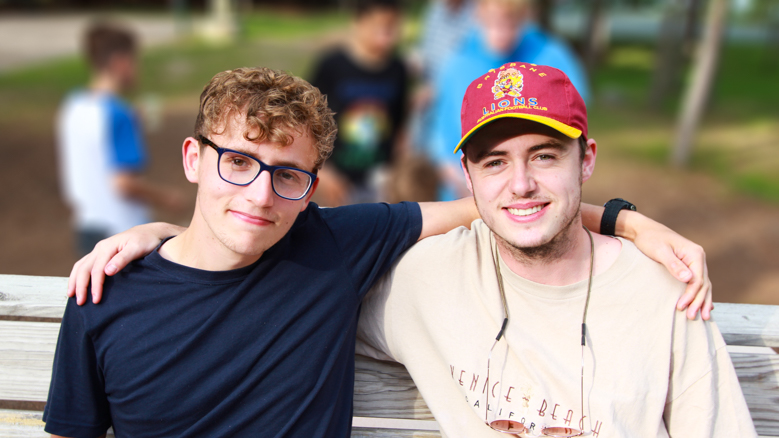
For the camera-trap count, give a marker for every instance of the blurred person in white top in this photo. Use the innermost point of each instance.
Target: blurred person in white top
(101, 150)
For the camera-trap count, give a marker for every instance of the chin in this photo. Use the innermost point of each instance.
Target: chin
(248, 246)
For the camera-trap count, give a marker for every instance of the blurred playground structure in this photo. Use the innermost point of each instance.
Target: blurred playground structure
(645, 57)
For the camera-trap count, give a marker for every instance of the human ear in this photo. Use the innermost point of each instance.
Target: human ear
(307, 199)
(190, 152)
(588, 163)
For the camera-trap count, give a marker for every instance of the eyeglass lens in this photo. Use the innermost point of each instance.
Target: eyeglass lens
(561, 431)
(508, 426)
(517, 428)
(239, 169)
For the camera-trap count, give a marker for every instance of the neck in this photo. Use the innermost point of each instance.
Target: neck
(365, 57)
(198, 248)
(104, 82)
(564, 260)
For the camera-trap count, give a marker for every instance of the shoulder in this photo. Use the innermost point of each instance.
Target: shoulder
(456, 250)
(333, 56)
(117, 106)
(641, 276)
(357, 212)
(353, 220)
(139, 279)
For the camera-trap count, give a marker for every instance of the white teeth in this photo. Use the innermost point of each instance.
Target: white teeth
(525, 212)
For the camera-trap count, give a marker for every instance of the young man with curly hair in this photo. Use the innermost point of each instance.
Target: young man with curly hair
(201, 338)
(243, 324)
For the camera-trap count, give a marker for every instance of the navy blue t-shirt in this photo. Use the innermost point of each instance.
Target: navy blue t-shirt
(265, 350)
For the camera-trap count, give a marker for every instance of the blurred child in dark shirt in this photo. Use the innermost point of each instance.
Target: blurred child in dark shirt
(366, 84)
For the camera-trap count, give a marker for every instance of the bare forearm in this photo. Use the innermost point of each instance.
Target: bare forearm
(137, 187)
(591, 215)
(160, 230)
(441, 217)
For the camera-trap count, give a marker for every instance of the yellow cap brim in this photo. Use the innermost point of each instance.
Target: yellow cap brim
(552, 123)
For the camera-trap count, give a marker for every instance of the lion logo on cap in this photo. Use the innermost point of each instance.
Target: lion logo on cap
(508, 83)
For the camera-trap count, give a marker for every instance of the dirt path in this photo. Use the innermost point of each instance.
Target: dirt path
(741, 236)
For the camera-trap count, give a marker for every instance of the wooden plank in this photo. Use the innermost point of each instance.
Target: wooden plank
(26, 356)
(748, 324)
(19, 424)
(26, 424)
(758, 375)
(32, 296)
(384, 389)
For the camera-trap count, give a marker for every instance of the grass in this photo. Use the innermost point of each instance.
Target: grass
(270, 23)
(738, 140)
(275, 39)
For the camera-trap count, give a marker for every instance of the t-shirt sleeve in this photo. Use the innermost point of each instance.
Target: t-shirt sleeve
(704, 395)
(125, 138)
(77, 405)
(372, 236)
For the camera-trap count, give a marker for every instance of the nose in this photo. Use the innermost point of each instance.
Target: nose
(260, 191)
(522, 183)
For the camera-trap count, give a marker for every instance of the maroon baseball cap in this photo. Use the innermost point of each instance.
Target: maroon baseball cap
(539, 93)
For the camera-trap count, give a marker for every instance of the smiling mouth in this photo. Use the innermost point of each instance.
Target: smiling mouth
(525, 211)
(251, 218)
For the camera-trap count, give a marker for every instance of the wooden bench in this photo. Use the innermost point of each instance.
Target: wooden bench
(386, 402)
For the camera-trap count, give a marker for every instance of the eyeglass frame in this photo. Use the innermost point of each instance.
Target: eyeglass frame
(522, 430)
(263, 167)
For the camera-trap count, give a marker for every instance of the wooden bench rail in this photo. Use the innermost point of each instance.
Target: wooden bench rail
(386, 401)
(44, 297)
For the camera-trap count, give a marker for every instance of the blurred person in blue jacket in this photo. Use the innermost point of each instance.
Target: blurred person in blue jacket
(444, 26)
(504, 32)
(101, 148)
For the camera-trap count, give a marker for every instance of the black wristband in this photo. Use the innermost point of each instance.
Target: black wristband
(608, 222)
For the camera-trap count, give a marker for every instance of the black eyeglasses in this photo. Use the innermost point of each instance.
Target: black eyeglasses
(512, 427)
(241, 170)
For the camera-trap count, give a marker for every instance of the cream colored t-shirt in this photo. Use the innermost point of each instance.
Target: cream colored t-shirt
(648, 371)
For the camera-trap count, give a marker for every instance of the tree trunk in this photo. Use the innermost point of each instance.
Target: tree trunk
(699, 88)
(544, 10)
(596, 37)
(669, 54)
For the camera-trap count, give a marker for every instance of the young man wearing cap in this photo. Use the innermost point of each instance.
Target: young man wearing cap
(255, 305)
(504, 31)
(587, 337)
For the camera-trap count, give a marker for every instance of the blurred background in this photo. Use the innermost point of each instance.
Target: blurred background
(683, 100)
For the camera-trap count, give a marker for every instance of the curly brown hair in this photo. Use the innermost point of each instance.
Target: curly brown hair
(274, 102)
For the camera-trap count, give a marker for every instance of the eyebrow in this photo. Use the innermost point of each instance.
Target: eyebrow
(281, 163)
(492, 153)
(549, 144)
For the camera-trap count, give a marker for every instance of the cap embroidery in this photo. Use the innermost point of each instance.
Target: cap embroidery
(508, 83)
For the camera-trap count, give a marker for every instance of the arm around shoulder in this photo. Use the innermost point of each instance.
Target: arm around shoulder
(442, 217)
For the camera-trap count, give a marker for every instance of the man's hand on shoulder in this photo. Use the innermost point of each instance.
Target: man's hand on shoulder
(112, 255)
(683, 258)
